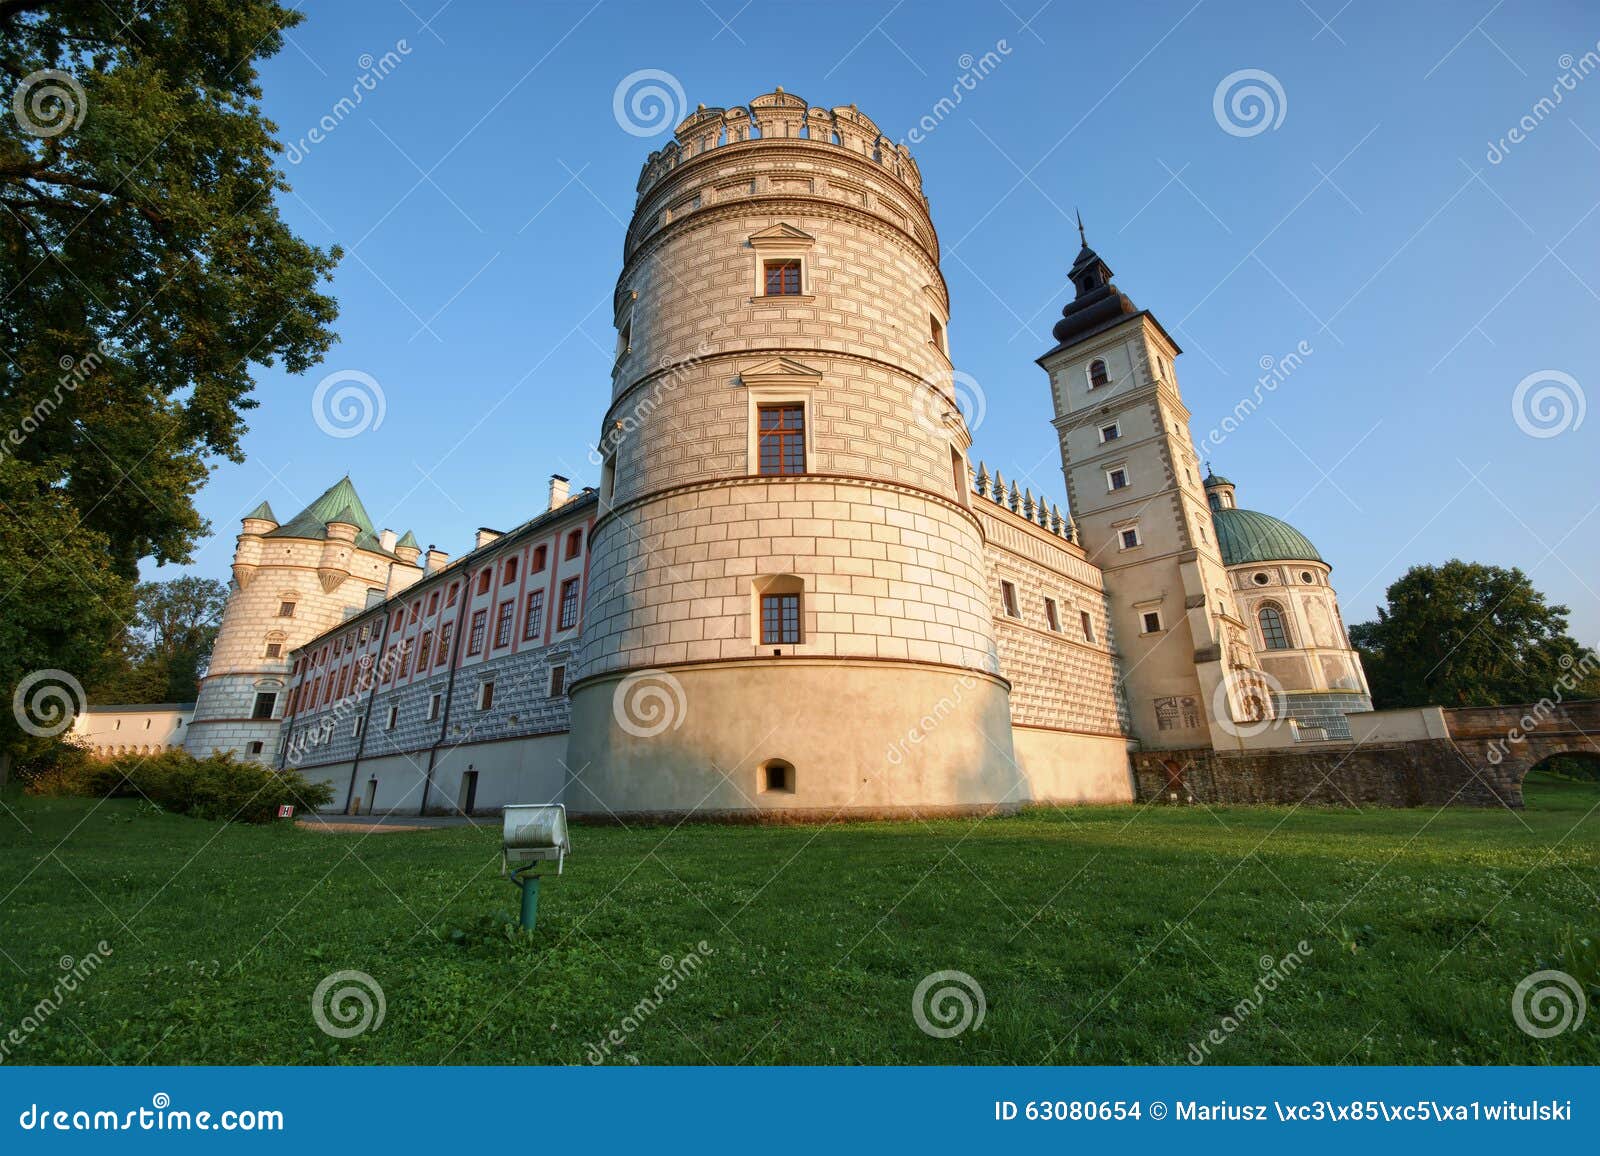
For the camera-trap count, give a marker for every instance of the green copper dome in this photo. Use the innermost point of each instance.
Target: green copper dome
(1248, 536)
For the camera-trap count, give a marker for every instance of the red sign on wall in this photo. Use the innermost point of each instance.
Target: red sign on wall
(286, 811)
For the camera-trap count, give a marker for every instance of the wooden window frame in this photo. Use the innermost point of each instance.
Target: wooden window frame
(781, 617)
(784, 267)
(478, 632)
(505, 621)
(787, 438)
(570, 609)
(533, 615)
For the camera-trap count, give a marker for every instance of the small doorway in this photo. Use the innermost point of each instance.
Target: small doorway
(372, 795)
(469, 792)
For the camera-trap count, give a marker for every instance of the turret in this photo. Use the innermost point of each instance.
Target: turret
(407, 549)
(334, 566)
(247, 554)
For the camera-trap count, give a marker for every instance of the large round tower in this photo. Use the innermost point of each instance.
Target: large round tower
(787, 603)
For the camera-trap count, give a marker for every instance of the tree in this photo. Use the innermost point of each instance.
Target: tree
(1467, 634)
(146, 272)
(161, 655)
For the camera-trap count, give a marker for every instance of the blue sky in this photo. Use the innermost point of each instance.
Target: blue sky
(481, 188)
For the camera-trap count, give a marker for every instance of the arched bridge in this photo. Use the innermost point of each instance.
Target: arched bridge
(1503, 743)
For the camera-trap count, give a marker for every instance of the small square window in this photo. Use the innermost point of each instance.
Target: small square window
(1117, 479)
(1151, 621)
(274, 650)
(255, 748)
(286, 610)
(1052, 617)
(782, 278)
(1129, 537)
(266, 702)
(1110, 433)
(780, 619)
(1008, 598)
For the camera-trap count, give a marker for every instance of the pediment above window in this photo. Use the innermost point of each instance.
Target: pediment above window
(781, 236)
(780, 371)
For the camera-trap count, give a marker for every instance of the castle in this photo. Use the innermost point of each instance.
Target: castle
(795, 591)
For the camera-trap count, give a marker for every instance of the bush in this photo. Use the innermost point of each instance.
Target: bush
(218, 787)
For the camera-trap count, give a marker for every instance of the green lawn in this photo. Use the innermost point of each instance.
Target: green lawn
(1103, 935)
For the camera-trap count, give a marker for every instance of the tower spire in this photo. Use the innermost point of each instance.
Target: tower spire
(1081, 238)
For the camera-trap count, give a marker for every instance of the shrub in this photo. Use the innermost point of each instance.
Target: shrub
(218, 787)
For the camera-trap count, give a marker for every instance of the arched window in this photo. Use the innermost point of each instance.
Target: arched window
(1097, 373)
(1273, 632)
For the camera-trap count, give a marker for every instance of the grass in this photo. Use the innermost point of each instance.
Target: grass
(1105, 935)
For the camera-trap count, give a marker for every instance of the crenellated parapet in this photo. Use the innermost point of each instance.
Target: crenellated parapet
(1022, 503)
(780, 115)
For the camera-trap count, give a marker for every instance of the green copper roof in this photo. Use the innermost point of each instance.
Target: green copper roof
(1248, 536)
(408, 541)
(263, 512)
(1214, 480)
(339, 503)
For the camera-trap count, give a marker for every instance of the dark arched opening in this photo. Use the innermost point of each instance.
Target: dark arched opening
(1568, 781)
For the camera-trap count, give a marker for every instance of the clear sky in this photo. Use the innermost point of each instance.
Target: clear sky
(481, 187)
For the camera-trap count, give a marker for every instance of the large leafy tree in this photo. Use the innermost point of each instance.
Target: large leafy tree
(144, 274)
(161, 655)
(1468, 634)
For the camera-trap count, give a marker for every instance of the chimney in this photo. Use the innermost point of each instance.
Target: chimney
(485, 536)
(558, 491)
(435, 560)
(387, 539)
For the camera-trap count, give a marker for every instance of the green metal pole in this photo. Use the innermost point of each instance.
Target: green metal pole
(530, 900)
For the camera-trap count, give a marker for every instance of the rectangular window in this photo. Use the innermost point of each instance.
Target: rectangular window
(480, 619)
(781, 439)
(1117, 479)
(416, 609)
(394, 717)
(780, 619)
(1110, 433)
(286, 610)
(483, 581)
(574, 543)
(444, 643)
(533, 623)
(783, 277)
(485, 695)
(503, 622)
(405, 658)
(255, 747)
(357, 726)
(539, 555)
(399, 620)
(1152, 621)
(433, 707)
(450, 598)
(558, 681)
(1051, 616)
(274, 650)
(936, 332)
(433, 603)
(366, 633)
(425, 651)
(510, 571)
(1088, 625)
(264, 705)
(1129, 537)
(1008, 597)
(569, 604)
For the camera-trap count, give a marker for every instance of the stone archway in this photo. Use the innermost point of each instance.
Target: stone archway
(1563, 781)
